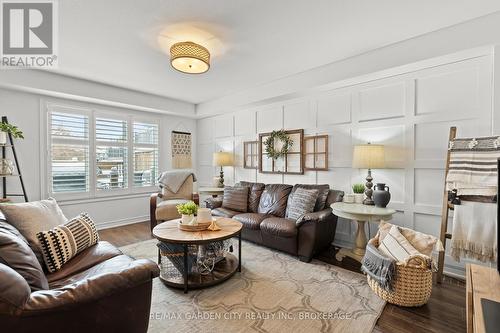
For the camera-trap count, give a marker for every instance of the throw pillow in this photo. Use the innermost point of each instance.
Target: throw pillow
(424, 243)
(235, 198)
(65, 241)
(396, 246)
(303, 202)
(31, 217)
(16, 253)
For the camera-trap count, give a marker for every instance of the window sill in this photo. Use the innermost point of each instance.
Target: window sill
(70, 202)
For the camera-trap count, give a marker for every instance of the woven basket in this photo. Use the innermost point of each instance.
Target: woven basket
(412, 285)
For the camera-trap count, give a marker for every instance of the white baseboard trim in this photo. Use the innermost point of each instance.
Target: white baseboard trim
(122, 222)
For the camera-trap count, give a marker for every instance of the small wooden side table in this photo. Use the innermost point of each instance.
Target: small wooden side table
(361, 214)
(213, 191)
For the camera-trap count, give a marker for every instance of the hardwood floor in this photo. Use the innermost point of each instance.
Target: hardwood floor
(445, 311)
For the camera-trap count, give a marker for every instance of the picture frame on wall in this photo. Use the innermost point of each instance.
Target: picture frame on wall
(292, 163)
(316, 153)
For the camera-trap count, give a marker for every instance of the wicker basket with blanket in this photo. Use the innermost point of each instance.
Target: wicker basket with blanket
(411, 284)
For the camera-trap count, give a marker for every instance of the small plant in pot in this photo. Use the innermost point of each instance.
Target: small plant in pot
(6, 165)
(5, 129)
(359, 192)
(187, 211)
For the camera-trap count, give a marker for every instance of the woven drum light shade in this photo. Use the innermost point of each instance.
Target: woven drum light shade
(189, 57)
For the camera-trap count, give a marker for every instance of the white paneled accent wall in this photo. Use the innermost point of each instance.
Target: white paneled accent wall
(410, 114)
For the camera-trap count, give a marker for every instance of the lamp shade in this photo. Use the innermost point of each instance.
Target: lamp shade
(368, 156)
(223, 159)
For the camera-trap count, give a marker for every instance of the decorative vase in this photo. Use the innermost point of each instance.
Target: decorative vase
(188, 219)
(358, 198)
(3, 138)
(381, 195)
(6, 166)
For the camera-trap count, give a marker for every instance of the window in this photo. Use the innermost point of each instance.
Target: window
(70, 152)
(121, 151)
(145, 154)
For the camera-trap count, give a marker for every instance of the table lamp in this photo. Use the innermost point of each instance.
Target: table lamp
(222, 159)
(369, 157)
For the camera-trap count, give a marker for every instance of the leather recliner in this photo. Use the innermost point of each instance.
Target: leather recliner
(265, 223)
(162, 206)
(99, 290)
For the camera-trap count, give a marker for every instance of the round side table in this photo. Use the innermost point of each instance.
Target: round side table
(361, 214)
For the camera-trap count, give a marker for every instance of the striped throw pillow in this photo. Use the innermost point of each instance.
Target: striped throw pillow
(65, 241)
(235, 198)
(303, 202)
(396, 246)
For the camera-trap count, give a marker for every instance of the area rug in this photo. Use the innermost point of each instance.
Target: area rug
(274, 292)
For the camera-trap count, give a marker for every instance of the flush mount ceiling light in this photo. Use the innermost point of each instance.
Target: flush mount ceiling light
(189, 57)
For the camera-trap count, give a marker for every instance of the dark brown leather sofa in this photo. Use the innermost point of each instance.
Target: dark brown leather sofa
(264, 221)
(99, 290)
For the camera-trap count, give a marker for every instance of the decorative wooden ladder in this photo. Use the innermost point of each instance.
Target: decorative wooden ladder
(444, 235)
(447, 206)
(10, 144)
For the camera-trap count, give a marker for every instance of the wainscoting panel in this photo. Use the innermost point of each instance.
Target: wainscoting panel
(410, 114)
(380, 102)
(334, 108)
(299, 115)
(223, 126)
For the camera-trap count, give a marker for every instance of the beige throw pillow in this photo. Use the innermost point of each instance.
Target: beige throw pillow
(424, 243)
(31, 217)
(396, 246)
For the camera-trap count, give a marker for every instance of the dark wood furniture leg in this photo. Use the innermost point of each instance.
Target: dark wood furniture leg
(239, 252)
(185, 268)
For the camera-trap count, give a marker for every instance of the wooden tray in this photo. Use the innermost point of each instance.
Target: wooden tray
(199, 227)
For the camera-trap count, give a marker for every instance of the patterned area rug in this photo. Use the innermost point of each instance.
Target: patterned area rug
(274, 292)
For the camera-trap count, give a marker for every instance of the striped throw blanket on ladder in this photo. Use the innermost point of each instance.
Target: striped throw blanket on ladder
(473, 172)
(473, 166)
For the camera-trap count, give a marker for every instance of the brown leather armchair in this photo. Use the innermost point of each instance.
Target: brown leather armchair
(162, 206)
(265, 220)
(99, 290)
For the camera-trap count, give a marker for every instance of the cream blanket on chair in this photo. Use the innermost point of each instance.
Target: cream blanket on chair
(474, 231)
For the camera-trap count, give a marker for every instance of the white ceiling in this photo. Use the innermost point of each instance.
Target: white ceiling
(125, 42)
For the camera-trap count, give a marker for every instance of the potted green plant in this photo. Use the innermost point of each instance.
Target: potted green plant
(359, 192)
(187, 211)
(5, 129)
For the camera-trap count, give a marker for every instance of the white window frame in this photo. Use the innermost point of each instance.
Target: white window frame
(93, 113)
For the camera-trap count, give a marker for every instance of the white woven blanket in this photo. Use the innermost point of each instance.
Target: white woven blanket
(473, 166)
(474, 231)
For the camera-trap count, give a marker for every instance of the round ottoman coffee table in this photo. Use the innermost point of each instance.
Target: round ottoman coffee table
(181, 244)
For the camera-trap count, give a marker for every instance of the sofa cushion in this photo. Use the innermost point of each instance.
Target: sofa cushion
(65, 241)
(396, 246)
(235, 198)
(274, 198)
(255, 191)
(251, 220)
(224, 212)
(16, 253)
(280, 227)
(167, 209)
(31, 217)
(87, 258)
(323, 191)
(303, 202)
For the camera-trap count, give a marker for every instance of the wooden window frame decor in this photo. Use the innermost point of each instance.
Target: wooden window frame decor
(315, 153)
(251, 150)
(297, 150)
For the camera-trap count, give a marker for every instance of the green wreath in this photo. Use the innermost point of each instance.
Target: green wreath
(269, 144)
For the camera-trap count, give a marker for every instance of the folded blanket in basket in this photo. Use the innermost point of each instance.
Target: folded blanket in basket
(473, 166)
(379, 267)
